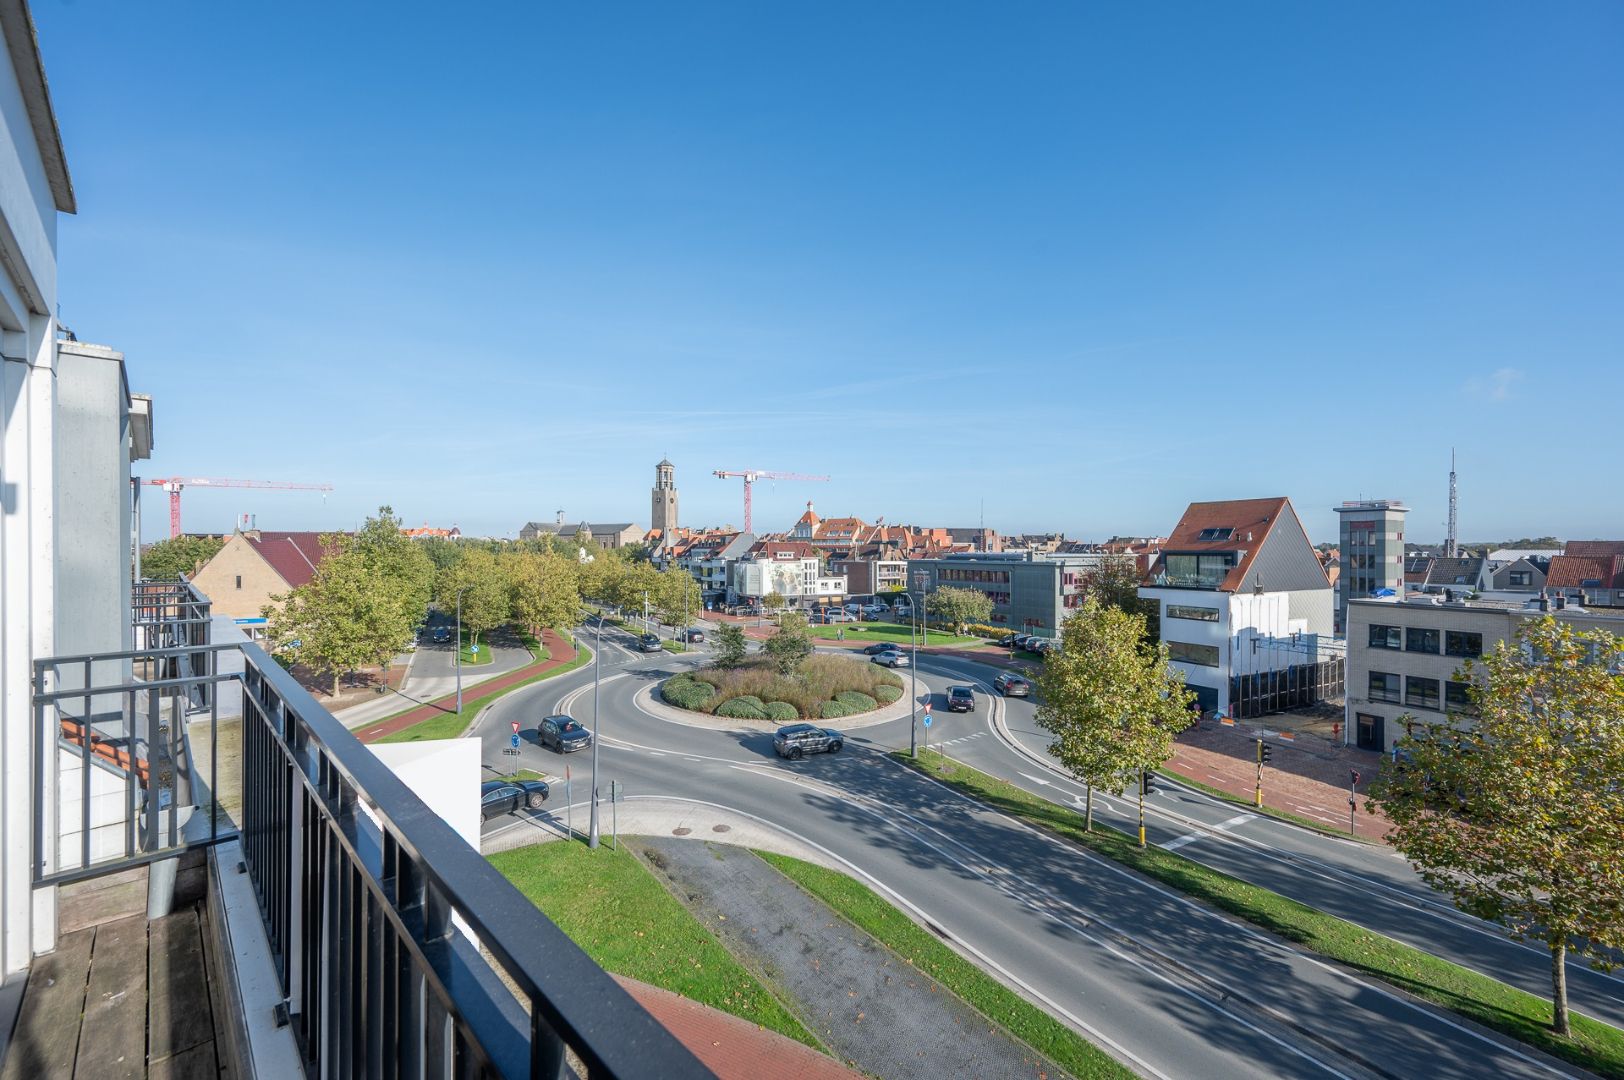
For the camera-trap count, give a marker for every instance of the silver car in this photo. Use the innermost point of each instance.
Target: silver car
(894, 658)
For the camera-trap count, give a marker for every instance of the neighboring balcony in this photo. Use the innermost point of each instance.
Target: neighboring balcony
(295, 906)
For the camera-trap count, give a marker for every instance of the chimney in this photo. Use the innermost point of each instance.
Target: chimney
(1544, 600)
(1561, 601)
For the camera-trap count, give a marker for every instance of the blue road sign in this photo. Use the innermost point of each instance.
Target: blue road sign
(927, 719)
(473, 650)
(515, 739)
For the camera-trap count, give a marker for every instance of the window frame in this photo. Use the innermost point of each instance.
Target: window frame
(1410, 697)
(1392, 694)
(1174, 612)
(1461, 690)
(1217, 654)
(1412, 632)
(1390, 633)
(1476, 654)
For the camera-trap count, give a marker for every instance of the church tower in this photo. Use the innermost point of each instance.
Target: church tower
(663, 516)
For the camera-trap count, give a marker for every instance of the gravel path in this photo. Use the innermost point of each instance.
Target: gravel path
(875, 1011)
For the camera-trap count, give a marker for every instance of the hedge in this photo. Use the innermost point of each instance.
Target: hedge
(782, 712)
(887, 693)
(741, 708)
(685, 693)
(856, 701)
(834, 710)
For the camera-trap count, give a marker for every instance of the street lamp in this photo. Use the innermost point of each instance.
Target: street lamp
(920, 577)
(597, 675)
(460, 591)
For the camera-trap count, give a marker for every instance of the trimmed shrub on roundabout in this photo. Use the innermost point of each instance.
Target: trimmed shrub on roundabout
(822, 687)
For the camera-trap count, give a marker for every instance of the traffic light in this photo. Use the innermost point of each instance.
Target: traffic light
(1264, 752)
(1147, 782)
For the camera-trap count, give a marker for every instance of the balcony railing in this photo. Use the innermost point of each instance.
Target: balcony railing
(399, 949)
(1200, 580)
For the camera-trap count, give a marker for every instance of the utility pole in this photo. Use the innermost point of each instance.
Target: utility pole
(460, 591)
(913, 638)
(1452, 541)
(1353, 805)
(597, 677)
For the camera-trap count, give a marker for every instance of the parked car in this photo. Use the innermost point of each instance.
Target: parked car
(854, 609)
(890, 658)
(1009, 641)
(649, 643)
(442, 634)
(961, 699)
(498, 797)
(563, 733)
(693, 635)
(1040, 645)
(798, 740)
(881, 647)
(1011, 685)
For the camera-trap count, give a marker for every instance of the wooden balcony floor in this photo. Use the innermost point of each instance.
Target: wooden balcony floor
(125, 998)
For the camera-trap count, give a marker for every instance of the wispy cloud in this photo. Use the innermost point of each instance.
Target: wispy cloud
(1496, 386)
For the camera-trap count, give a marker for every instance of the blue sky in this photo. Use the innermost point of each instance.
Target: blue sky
(1078, 264)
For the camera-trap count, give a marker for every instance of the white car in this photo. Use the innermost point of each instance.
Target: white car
(894, 658)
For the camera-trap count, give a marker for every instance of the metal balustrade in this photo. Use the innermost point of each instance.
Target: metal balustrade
(400, 950)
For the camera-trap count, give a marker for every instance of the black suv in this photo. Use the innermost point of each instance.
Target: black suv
(498, 797)
(649, 643)
(798, 740)
(961, 699)
(563, 733)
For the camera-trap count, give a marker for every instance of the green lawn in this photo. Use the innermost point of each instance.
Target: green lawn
(1595, 1046)
(483, 656)
(450, 725)
(860, 904)
(897, 632)
(612, 907)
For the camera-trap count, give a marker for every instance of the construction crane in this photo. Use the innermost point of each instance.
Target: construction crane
(174, 485)
(750, 476)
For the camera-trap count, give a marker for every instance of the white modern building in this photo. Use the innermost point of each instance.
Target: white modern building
(790, 568)
(1246, 609)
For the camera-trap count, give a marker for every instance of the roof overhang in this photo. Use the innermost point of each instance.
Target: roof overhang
(22, 42)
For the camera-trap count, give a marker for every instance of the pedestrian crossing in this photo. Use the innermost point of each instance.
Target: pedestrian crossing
(961, 739)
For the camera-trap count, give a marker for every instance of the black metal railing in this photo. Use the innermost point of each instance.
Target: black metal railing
(400, 950)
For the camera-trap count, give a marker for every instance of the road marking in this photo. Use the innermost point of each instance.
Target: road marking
(1190, 838)
(1036, 779)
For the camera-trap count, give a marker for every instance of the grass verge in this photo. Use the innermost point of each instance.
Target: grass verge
(483, 656)
(874, 632)
(620, 914)
(450, 725)
(1595, 1046)
(1003, 1006)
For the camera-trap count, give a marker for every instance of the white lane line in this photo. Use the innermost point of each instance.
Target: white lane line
(1190, 838)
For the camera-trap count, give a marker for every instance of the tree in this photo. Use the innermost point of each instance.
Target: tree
(341, 619)
(773, 601)
(1115, 583)
(729, 651)
(791, 644)
(478, 577)
(959, 607)
(1110, 699)
(1515, 812)
(675, 595)
(543, 590)
(167, 560)
(600, 579)
(395, 563)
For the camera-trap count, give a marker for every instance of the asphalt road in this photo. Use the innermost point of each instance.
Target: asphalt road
(1172, 988)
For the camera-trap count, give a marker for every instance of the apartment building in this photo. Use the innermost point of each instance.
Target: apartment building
(709, 557)
(1405, 655)
(1589, 572)
(1029, 593)
(1246, 608)
(791, 568)
(1370, 554)
(871, 570)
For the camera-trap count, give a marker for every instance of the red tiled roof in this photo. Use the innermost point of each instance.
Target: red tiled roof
(1594, 548)
(772, 549)
(294, 555)
(1251, 520)
(1572, 571)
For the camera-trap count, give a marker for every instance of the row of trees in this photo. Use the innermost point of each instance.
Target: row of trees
(626, 582)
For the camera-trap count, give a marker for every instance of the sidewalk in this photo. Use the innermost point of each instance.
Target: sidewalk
(559, 653)
(1306, 775)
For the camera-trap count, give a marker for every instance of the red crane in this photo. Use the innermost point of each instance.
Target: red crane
(174, 484)
(750, 476)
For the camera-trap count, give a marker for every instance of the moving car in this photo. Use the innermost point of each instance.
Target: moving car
(1011, 685)
(798, 740)
(442, 634)
(961, 699)
(693, 635)
(649, 643)
(563, 733)
(498, 797)
(890, 658)
(883, 646)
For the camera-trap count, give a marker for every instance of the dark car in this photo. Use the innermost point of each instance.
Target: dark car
(649, 643)
(961, 699)
(498, 797)
(1009, 641)
(798, 740)
(563, 733)
(1012, 685)
(883, 646)
(442, 634)
(693, 635)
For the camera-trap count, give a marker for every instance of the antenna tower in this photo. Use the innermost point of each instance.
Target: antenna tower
(1452, 541)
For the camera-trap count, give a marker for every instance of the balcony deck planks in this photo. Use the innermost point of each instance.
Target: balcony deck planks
(47, 1037)
(180, 1018)
(113, 1035)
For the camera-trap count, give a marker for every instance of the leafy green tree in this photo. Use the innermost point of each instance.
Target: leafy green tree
(676, 596)
(395, 563)
(440, 551)
(959, 607)
(730, 649)
(478, 577)
(773, 601)
(167, 560)
(341, 619)
(1115, 583)
(600, 580)
(1518, 812)
(1110, 700)
(791, 644)
(543, 590)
